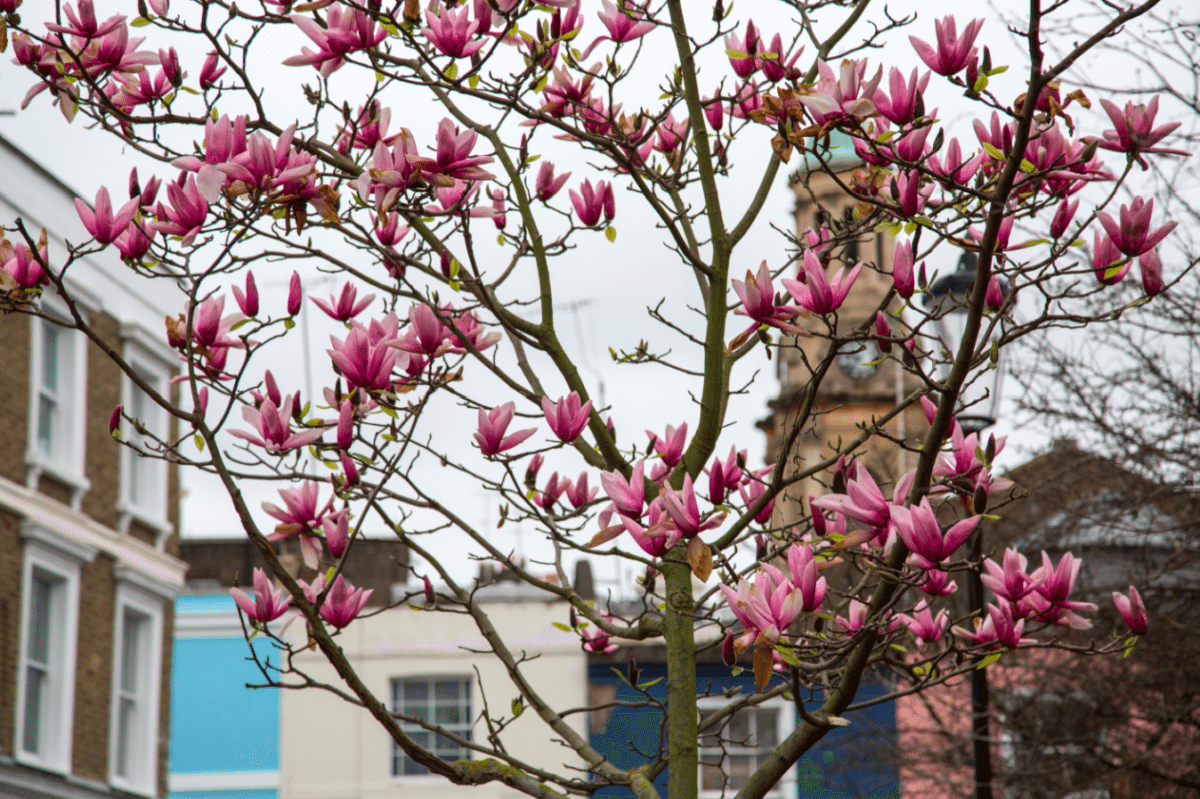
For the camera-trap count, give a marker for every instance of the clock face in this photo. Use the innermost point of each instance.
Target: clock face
(860, 361)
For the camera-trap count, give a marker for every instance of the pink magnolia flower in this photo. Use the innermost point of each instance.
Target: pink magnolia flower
(622, 23)
(388, 229)
(453, 33)
(753, 490)
(783, 64)
(762, 304)
(911, 146)
(938, 583)
(346, 30)
(953, 51)
(956, 168)
(907, 191)
(902, 269)
(590, 202)
(1152, 280)
(135, 242)
(187, 211)
(1132, 611)
(578, 492)
(365, 364)
(627, 495)
(300, 516)
(343, 603)
(724, 475)
(210, 73)
(549, 184)
(271, 429)
(567, 417)
(817, 292)
(84, 24)
(337, 532)
(1062, 217)
(103, 224)
(294, 295)
(267, 605)
(210, 330)
(846, 93)
(344, 307)
(596, 641)
(684, 511)
(918, 528)
(901, 104)
(492, 426)
(470, 330)
(750, 44)
(1133, 235)
(454, 160)
(923, 624)
(806, 576)
(1108, 264)
(863, 502)
(22, 264)
(1135, 133)
(1010, 581)
(670, 445)
(247, 301)
(426, 335)
(554, 489)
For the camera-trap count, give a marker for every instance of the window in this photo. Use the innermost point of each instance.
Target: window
(732, 751)
(46, 676)
(137, 638)
(144, 480)
(57, 401)
(1053, 742)
(444, 701)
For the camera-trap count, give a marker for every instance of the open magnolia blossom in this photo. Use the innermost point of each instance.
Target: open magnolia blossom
(445, 236)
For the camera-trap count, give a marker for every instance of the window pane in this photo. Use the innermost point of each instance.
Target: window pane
(738, 731)
(416, 689)
(447, 715)
(45, 425)
(413, 769)
(132, 633)
(445, 689)
(35, 691)
(740, 768)
(126, 719)
(50, 356)
(768, 728)
(38, 649)
(712, 778)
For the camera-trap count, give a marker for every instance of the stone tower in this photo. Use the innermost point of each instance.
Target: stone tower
(859, 387)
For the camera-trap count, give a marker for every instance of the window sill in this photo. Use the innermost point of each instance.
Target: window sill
(37, 464)
(33, 761)
(154, 520)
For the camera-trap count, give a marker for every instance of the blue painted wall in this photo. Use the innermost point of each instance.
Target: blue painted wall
(855, 762)
(217, 724)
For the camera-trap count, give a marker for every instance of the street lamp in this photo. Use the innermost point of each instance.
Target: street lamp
(978, 403)
(979, 400)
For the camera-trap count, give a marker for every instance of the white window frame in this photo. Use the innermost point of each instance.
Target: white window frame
(785, 724)
(151, 508)
(141, 775)
(51, 555)
(429, 680)
(66, 463)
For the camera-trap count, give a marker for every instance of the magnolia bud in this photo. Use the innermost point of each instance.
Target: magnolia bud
(574, 619)
(727, 653)
(990, 452)
(818, 517)
(882, 331)
(294, 295)
(114, 422)
(134, 187)
(633, 671)
(430, 598)
(979, 500)
(760, 552)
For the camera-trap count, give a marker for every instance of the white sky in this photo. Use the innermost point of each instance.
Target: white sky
(611, 283)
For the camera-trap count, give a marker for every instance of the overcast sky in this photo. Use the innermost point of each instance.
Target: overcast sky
(603, 289)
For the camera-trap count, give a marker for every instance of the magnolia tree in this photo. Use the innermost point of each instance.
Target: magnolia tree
(452, 320)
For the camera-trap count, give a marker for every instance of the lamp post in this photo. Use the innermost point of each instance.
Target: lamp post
(978, 403)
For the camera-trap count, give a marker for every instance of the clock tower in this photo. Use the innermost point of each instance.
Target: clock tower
(862, 385)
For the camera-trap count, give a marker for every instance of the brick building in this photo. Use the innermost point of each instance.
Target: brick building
(87, 532)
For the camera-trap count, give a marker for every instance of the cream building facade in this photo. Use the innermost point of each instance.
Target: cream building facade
(421, 663)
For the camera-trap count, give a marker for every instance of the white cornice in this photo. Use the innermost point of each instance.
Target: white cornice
(74, 529)
(223, 781)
